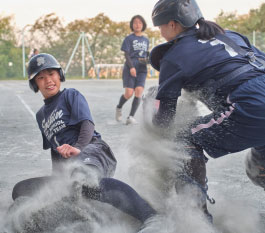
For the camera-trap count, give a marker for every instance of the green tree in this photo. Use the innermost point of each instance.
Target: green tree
(47, 30)
(104, 38)
(10, 54)
(246, 24)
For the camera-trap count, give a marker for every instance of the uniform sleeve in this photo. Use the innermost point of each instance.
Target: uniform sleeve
(46, 143)
(170, 81)
(170, 85)
(78, 107)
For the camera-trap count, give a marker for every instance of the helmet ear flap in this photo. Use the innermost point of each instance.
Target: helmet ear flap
(33, 86)
(62, 75)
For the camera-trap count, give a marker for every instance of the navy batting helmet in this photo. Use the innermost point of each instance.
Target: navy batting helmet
(186, 12)
(41, 62)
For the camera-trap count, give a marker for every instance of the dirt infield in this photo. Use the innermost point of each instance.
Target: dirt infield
(22, 157)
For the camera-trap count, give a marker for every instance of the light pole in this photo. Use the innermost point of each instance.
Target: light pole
(23, 50)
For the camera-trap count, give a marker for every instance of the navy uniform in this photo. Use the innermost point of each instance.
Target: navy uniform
(65, 118)
(60, 121)
(226, 73)
(195, 66)
(137, 48)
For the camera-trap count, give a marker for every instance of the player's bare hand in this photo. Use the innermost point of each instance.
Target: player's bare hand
(133, 72)
(67, 151)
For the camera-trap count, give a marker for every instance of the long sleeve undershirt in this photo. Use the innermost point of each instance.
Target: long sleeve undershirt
(128, 60)
(85, 135)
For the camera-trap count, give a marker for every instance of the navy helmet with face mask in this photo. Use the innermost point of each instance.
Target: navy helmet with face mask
(41, 62)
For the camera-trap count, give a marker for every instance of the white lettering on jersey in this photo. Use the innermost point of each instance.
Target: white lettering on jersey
(53, 124)
(139, 45)
(214, 42)
(141, 53)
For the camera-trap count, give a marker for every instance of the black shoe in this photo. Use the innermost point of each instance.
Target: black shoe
(91, 192)
(207, 214)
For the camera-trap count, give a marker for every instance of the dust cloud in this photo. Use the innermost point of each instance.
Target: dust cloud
(149, 163)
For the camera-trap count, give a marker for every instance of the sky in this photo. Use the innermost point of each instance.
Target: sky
(28, 11)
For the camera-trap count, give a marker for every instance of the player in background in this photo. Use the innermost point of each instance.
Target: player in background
(135, 48)
(34, 53)
(223, 70)
(68, 130)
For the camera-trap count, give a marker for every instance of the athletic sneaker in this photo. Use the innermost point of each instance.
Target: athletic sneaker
(131, 120)
(84, 180)
(118, 114)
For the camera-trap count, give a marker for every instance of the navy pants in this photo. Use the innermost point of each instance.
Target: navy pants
(240, 126)
(133, 82)
(111, 191)
(97, 153)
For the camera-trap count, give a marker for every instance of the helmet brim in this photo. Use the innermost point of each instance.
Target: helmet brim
(32, 76)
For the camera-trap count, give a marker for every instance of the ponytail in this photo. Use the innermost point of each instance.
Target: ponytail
(208, 29)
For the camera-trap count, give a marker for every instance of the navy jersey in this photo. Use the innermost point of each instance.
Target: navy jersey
(136, 47)
(59, 118)
(190, 62)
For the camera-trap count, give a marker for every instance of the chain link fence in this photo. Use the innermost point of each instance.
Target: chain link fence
(81, 56)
